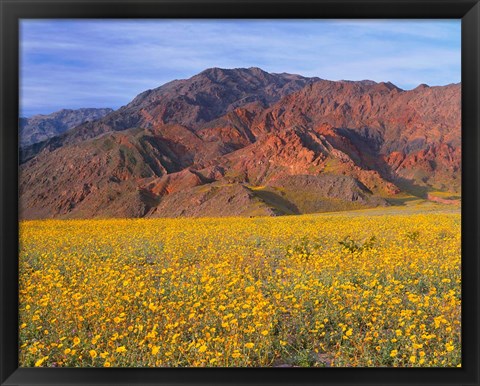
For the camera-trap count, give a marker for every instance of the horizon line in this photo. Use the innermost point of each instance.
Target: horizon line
(114, 108)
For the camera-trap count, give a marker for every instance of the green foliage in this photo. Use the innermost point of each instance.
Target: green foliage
(303, 249)
(353, 246)
(412, 236)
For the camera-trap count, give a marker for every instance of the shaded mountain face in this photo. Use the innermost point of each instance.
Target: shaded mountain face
(245, 142)
(41, 127)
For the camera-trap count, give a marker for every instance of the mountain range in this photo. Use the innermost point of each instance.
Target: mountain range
(44, 126)
(246, 142)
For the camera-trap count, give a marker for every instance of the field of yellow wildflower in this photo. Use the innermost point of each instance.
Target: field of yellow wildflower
(366, 288)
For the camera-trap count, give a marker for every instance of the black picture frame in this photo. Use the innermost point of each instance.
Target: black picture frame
(14, 10)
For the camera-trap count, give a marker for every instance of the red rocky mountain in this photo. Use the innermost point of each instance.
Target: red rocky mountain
(246, 142)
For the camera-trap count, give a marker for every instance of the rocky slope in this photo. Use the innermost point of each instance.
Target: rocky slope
(190, 103)
(41, 127)
(245, 142)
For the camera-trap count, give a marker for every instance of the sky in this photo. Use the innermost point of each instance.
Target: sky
(106, 63)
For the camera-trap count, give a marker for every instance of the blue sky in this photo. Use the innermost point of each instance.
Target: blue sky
(106, 63)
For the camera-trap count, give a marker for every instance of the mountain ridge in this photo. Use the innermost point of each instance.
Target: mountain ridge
(229, 132)
(41, 127)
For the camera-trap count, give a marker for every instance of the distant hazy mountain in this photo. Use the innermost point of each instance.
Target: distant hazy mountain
(246, 142)
(41, 127)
